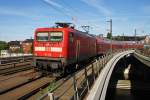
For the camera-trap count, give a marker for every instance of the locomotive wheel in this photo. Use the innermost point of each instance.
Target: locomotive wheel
(68, 70)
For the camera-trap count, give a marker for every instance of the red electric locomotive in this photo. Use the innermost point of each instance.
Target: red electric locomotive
(58, 47)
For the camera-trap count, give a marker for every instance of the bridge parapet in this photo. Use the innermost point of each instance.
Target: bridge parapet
(145, 59)
(144, 52)
(99, 89)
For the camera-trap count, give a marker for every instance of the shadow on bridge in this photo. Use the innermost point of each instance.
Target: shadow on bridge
(130, 80)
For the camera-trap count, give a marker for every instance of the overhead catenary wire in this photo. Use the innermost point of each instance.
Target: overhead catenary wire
(61, 9)
(71, 9)
(57, 8)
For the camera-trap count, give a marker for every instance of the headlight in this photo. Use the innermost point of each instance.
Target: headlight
(39, 48)
(56, 49)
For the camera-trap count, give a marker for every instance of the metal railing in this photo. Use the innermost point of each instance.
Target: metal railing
(81, 80)
(144, 52)
(98, 92)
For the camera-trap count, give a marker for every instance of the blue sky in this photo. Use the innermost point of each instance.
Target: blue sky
(19, 18)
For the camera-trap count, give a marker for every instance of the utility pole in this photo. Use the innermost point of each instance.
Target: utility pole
(111, 28)
(135, 35)
(110, 21)
(123, 40)
(122, 36)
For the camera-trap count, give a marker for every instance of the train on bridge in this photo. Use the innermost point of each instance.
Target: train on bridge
(57, 48)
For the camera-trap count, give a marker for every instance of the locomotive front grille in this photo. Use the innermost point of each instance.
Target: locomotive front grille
(48, 64)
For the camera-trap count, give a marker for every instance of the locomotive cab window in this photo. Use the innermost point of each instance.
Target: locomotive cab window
(42, 36)
(56, 36)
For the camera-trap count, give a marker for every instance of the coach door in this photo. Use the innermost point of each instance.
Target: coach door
(77, 50)
(71, 48)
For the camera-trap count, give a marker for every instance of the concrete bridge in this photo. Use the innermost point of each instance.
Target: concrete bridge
(123, 83)
(123, 75)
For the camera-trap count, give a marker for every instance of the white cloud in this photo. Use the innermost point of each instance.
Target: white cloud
(97, 4)
(58, 7)
(53, 3)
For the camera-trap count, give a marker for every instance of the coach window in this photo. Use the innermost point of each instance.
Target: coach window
(71, 37)
(42, 36)
(56, 36)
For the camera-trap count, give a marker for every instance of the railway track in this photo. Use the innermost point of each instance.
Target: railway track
(6, 69)
(7, 77)
(24, 88)
(64, 84)
(57, 83)
(30, 89)
(12, 59)
(61, 80)
(13, 82)
(13, 64)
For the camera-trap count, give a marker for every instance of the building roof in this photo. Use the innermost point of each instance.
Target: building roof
(14, 43)
(28, 41)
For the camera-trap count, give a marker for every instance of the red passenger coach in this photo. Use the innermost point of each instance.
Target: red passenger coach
(58, 47)
(104, 45)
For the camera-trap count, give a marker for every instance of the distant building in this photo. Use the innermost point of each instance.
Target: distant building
(147, 40)
(5, 53)
(100, 35)
(14, 46)
(27, 46)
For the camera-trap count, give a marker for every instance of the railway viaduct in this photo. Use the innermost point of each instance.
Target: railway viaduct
(124, 75)
(130, 86)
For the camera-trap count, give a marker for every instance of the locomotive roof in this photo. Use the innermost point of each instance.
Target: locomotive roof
(68, 28)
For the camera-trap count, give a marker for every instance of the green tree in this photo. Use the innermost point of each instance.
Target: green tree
(109, 35)
(20, 50)
(3, 45)
(31, 49)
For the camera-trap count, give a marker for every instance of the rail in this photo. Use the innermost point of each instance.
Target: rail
(99, 89)
(14, 64)
(5, 60)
